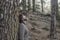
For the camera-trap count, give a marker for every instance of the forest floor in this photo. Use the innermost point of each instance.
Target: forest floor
(39, 27)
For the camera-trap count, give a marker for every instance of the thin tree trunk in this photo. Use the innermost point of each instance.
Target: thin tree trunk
(42, 6)
(29, 4)
(33, 5)
(54, 11)
(24, 5)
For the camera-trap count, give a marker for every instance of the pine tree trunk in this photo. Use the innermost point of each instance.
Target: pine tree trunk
(10, 21)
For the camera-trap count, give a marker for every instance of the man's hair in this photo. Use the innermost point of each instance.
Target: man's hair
(20, 18)
(23, 13)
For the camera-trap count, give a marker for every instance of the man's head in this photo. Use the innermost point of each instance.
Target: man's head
(22, 18)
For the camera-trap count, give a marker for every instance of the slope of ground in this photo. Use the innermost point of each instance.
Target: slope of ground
(39, 27)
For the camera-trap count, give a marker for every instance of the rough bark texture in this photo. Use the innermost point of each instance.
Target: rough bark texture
(9, 25)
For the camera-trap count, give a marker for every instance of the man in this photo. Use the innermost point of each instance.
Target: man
(23, 30)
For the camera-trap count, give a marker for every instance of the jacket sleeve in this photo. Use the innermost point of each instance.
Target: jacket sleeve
(22, 31)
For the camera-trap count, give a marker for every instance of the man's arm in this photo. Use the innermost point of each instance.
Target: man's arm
(22, 31)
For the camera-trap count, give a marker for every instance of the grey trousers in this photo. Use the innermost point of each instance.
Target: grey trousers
(23, 32)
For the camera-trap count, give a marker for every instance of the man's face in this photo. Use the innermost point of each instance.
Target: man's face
(24, 18)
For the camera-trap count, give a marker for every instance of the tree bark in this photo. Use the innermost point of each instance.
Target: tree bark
(10, 21)
(54, 11)
(29, 5)
(24, 5)
(42, 6)
(33, 5)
